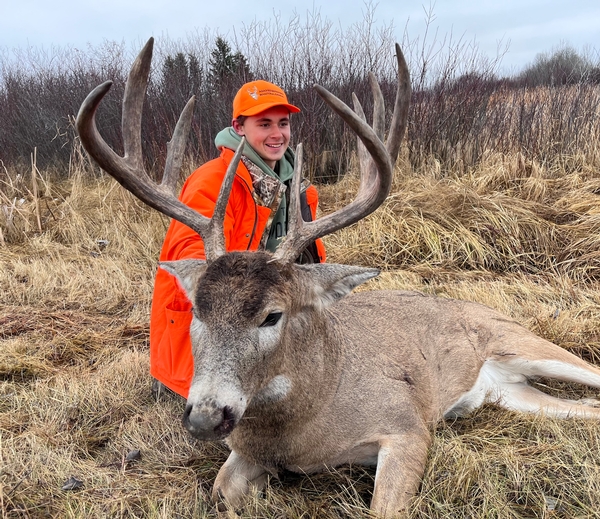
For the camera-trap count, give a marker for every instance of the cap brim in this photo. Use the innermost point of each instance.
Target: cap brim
(261, 108)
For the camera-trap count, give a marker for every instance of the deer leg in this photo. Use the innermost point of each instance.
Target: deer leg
(524, 398)
(400, 466)
(558, 364)
(236, 481)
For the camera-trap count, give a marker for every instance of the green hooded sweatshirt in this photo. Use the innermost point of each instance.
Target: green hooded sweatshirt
(274, 196)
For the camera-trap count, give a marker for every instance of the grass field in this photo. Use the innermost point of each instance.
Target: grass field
(77, 260)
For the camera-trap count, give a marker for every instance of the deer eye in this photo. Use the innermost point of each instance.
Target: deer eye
(271, 320)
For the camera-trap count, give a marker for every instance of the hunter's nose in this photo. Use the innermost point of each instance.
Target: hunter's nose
(208, 421)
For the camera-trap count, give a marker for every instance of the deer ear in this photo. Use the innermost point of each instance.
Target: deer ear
(331, 282)
(187, 272)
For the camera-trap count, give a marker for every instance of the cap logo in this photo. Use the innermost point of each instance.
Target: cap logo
(253, 93)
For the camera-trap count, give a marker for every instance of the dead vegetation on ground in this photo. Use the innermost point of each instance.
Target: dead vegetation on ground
(75, 394)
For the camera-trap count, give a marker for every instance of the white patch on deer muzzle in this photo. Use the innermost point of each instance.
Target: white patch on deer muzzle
(218, 390)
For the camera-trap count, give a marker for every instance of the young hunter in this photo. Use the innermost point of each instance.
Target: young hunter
(256, 217)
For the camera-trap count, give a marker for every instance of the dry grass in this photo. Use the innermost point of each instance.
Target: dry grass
(507, 216)
(75, 395)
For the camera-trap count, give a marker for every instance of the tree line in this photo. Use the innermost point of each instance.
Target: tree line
(460, 108)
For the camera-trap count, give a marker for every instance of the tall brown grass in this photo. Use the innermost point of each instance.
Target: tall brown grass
(75, 393)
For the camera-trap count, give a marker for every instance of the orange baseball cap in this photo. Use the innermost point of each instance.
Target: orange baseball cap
(258, 96)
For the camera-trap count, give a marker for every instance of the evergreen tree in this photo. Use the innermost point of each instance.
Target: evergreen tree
(226, 68)
(181, 75)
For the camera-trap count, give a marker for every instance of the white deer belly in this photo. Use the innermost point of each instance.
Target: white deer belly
(493, 377)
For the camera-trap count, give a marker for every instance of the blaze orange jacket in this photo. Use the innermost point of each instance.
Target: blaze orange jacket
(170, 347)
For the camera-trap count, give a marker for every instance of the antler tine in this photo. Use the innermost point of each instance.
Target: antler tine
(133, 103)
(176, 147)
(129, 169)
(400, 114)
(214, 243)
(376, 177)
(378, 127)
(295, 221)
(363, 155)
(378, 107)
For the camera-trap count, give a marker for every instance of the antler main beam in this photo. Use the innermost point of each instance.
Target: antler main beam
(129, 170)
(377, 164)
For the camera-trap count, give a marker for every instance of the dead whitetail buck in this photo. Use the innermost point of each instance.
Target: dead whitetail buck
(295, 375)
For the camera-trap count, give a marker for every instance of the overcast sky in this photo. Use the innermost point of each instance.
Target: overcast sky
(528, 26)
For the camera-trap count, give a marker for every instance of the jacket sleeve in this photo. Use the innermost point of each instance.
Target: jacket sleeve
(171, 359)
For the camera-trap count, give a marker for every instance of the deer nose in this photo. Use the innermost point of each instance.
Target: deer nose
(209, 421)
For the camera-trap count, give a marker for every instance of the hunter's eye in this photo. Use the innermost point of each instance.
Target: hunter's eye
(271, 320)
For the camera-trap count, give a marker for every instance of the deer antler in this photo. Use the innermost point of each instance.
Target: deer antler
(376, 160)
(129, 170)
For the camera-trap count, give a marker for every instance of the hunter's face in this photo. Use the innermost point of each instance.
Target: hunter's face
(268, 133)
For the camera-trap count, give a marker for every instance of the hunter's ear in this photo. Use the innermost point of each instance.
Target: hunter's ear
(187, 272)
(331, 282)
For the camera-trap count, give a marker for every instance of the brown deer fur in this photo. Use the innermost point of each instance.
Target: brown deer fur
(347, 378)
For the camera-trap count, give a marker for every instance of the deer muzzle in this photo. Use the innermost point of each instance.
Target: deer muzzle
(208, 420)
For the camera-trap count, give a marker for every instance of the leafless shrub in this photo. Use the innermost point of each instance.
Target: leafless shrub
(460, 111)
(564, 65)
